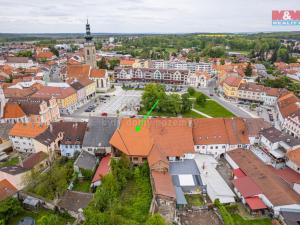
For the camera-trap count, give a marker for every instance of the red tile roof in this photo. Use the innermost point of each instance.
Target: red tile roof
(281, 193)
(294, 156)
(238, 173)
(287, 104)
(48, 92)
(103, 168)
(220, 131)
(163, 184)
(34, 159)
(98, 73)
(172, 135)
(126, 62)
(44, 55)
(77, 71)
(13, 110)
(30, 130)
(255, 203)
(247, 187)
(6, 189)
(233, 81)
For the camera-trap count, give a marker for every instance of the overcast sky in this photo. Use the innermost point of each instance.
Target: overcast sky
(141, 16)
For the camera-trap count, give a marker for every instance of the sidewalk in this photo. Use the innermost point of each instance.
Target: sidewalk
(201, 113)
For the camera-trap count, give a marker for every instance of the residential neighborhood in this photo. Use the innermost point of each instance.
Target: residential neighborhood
(149, 128)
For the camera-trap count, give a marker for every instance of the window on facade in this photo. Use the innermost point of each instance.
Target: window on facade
(198, 147)
(135, 158)
(211, 147)
(223, 146)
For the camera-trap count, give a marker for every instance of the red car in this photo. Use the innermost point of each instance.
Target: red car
(104, 114)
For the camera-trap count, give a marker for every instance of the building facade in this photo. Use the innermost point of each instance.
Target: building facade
(89, 48)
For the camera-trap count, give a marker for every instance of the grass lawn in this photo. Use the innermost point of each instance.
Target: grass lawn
(214, 109)
(238, 220)
(136, 199)
(82, 185)
(194, 200)
(191, 114)
(11, 162)
(144, 112)
(63, 219)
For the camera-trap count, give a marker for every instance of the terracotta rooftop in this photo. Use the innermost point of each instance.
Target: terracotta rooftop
(13, 110)
(252, 87)
(98, 73)
(77, 71)
(48, 92)
(233, 81)
(44, 55)
(280, 193)
(103, 168)
(6, 189)
(30, 130)
(247, 187)
(172, 135)
(220, 131)
(288, 104)
(126, 62)
(34, 159)
(163, 184)
(294, 156)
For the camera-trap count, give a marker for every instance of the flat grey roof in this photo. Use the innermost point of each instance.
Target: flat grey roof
(99, 131)
(180, 198)
(86, 161)
(187, 166)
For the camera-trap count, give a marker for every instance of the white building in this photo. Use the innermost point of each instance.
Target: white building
(19, 62)
(100, 76)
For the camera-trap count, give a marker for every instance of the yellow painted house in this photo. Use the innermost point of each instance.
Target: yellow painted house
(66, 97)
(89, 86)
(230, 86)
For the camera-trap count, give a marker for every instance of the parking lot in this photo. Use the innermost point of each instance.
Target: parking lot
(122, 102)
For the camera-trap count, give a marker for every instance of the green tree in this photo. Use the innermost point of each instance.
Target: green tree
(9, 208)
(191, 91)
(171, 104)
(113, 63)
(156, 219)
(48, 219)
(186, 103)
(248, 70)
(102, 63)
(24, 54)
(54, 50)
(283, 55)
(152, 93)
(201, 100)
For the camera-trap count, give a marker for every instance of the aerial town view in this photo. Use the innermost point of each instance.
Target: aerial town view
(139, 112)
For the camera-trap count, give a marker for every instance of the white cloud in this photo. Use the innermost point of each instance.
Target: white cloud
(160, 16)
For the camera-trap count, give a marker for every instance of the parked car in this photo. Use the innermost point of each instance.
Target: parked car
(104, 114)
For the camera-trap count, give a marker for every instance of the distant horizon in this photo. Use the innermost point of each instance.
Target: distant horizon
(143, 16)
(148, 33)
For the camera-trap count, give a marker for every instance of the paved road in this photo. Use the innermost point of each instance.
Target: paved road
(226, 104)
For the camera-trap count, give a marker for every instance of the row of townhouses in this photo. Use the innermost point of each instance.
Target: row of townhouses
(168, 76)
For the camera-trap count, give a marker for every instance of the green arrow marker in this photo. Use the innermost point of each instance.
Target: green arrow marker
(138, 127)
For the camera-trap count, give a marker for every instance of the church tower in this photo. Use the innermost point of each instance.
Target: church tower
(89, 48)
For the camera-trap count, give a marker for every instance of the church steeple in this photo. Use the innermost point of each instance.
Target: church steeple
(88, 37)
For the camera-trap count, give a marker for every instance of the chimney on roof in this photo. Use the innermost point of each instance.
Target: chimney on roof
(51, 128)
(21, 161)
(190, 123)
